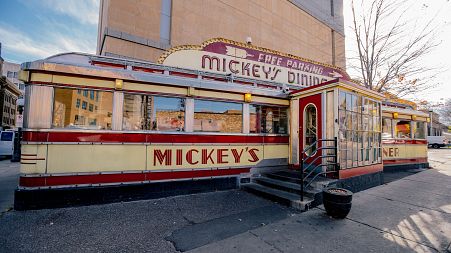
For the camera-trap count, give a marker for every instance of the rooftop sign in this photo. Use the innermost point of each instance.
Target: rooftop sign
(230, 57)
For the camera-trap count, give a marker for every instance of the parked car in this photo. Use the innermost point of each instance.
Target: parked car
(7, 142)
(437, 141)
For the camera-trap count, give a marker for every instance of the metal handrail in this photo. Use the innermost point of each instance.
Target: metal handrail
(302, 157)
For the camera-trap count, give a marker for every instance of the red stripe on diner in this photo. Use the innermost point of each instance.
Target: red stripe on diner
(124, 177)
(33, 136)
(406, 161)
(399, 141)
(347, 173)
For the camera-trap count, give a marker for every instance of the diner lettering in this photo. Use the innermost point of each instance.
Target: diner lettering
(205, 156)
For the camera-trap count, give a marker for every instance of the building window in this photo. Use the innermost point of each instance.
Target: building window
(65, 115)
(85, 93)
(77, 104)
(21, 86)
(10, 74)
(387, 129)
(310, 128)
(91, 107)
(78, 91)
(91, 94)
(419, 129)
(143, 112)
(359, 130)
(268, 119)
(402, 129)
(15, 74)
(214, 116)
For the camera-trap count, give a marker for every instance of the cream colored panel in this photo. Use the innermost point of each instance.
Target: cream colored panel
(404, 151)
(33, 159)
(223, 95)
(276, 151)
(270, 100)
(83, 81)
(39, 77)
(95, 158)
(202, 156)
(154, 88)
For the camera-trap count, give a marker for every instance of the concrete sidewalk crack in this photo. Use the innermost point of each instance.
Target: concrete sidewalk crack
(263, 240)
(388, 232)
(400, 201)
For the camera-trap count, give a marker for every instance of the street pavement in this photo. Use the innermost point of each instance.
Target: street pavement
(9, 174)
(411, 214)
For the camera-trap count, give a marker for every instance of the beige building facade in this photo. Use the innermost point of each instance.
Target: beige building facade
(142, 29)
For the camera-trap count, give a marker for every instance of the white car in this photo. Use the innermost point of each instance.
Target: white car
(7, 142)
(437, 141)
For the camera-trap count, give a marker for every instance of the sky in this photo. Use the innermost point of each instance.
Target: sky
(36, 29)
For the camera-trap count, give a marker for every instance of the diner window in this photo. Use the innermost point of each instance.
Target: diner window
(311, 128)
(66, 115)
(214, 116)
(402, 129)
(387, 129)
(359, 130)
(419, 129)
(268, 119)
(143, 112)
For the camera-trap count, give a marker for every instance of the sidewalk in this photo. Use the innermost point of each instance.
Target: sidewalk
(412, 214)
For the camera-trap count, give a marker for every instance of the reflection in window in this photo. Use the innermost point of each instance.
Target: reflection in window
(419, 130)
(268, 119)
(66, 114)
(142, 112)
(387, 128)
(213, 116)
(359, 130)
(402, 129)
(310, 130)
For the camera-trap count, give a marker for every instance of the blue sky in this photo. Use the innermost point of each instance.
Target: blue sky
(35, 29)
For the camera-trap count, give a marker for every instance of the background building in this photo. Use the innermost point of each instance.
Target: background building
(145, 29)
(11, 71)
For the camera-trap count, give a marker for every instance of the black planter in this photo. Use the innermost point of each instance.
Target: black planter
(337, 202)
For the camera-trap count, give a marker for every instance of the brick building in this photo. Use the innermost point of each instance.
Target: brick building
(145, 29)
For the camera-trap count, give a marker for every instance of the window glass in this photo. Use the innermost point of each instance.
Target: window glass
(7, 136)
(143, 112)
(213, 116)
(387, 128)
(360, 129)
(66, 114)
(311, 124)
(268, 119)
(419, 130)
(402, 128)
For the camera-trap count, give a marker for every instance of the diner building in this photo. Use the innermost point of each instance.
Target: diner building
(170, 107)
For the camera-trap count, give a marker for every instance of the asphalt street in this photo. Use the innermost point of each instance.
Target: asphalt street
(411, 214)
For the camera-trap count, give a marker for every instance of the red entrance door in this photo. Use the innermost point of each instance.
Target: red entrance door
(310, 126)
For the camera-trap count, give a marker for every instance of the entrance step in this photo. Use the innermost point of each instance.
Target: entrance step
(284, 187)
(279, 196)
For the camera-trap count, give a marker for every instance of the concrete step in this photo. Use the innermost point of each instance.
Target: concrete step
(295, 177)
(279, 196)
(286, 186)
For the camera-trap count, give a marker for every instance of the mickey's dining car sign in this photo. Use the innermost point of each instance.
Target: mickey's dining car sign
(164, 157)
(230, 57)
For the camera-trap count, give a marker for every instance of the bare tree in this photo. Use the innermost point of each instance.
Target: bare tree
(391, 46)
